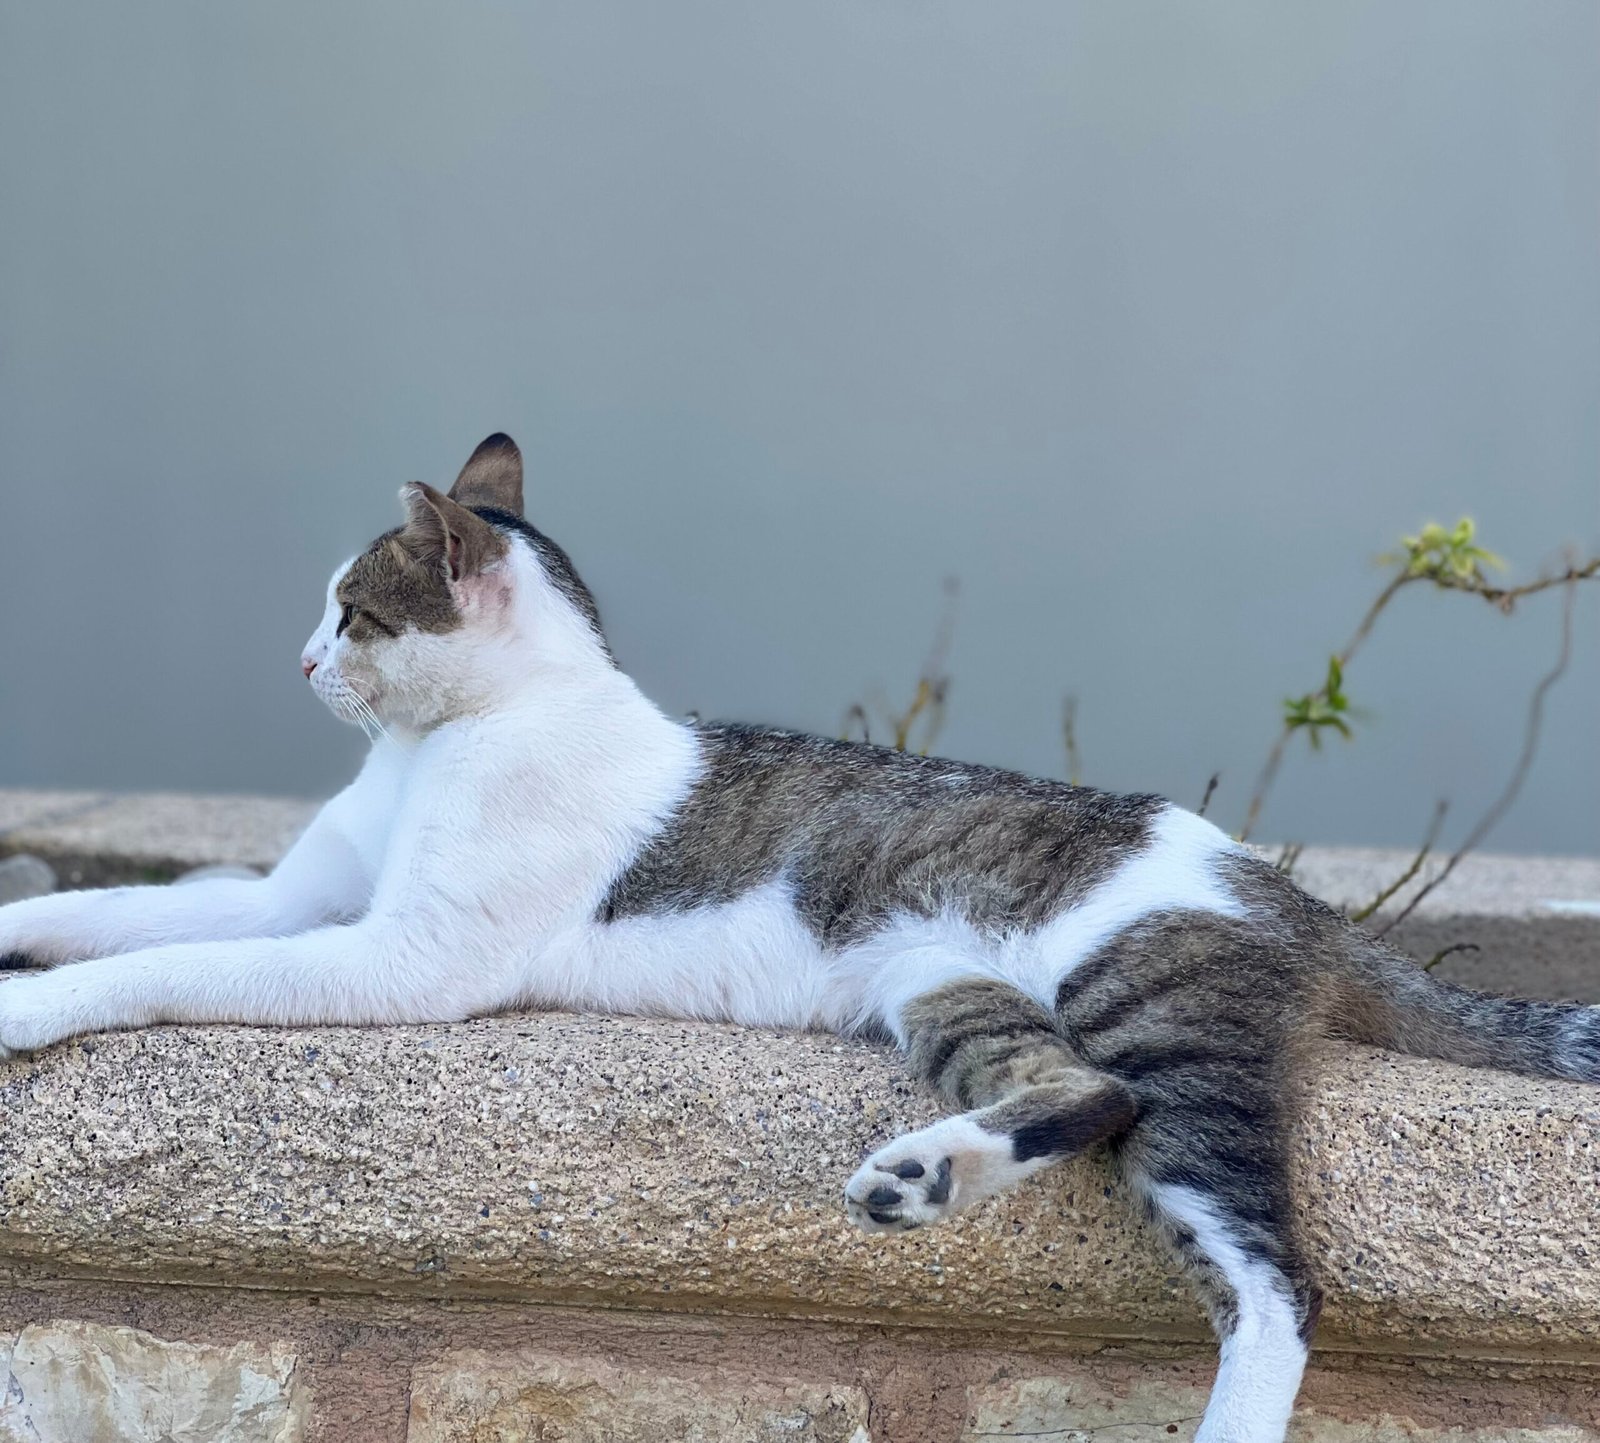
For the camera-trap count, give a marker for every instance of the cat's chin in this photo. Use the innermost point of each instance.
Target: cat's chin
(349, 705)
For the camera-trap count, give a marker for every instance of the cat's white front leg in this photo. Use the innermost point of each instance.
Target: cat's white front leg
(370, 972)
(326, 876)
(44, 931)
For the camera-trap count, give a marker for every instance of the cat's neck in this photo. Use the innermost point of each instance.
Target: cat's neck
(576, 720)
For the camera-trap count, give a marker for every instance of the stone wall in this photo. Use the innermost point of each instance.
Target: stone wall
(327, 1367)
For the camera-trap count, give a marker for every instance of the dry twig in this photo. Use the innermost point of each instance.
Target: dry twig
(926, 710)
(1069, 739)
(1450, 561)
(1444, 952)
(1362, 913)
(1519, 774)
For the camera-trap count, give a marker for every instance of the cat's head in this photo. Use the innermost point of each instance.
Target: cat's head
(455, 610)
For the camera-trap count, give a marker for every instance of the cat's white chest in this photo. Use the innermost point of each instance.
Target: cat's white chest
(365, 813)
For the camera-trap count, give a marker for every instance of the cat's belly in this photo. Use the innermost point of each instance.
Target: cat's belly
(756, 961)
(751, 961)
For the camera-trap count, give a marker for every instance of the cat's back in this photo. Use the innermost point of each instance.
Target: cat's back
(859, 833)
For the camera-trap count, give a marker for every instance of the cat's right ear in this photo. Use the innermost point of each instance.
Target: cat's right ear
(442, 533)
(492, 476)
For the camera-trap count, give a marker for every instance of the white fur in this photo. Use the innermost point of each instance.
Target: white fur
(521, 773)
(1263, 1357)
(1176, 872)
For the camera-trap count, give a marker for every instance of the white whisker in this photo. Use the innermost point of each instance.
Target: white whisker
(369, 718)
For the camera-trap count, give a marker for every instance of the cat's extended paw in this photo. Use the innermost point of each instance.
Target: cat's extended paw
(33, 1014)
(926, 1176)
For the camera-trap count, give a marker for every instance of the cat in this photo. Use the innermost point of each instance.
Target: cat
(1065, 966)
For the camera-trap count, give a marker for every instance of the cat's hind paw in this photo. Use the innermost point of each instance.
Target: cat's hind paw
(927, 1176)
(898, 1199)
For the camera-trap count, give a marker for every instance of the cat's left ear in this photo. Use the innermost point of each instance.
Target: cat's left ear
(440, 533)
(492, 476)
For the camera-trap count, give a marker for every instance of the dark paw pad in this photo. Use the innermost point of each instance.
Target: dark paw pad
(920, 1193)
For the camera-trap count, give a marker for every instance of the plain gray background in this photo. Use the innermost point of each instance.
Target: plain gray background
(1153, 323)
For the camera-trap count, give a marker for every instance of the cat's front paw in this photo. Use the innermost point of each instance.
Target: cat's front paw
(34, 1012)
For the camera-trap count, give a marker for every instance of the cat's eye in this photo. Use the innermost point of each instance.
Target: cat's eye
(344, 618)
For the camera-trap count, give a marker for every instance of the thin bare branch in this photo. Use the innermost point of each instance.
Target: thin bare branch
(1506, 597)
(1069, 739)
(856, 716)
(1444, 952)
(1519, 774)
(917, 726)
(933, 683)
(1269, 770)
(1361, 914)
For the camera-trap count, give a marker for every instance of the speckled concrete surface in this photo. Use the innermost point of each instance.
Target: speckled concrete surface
(514, 1183)
(667, 1165)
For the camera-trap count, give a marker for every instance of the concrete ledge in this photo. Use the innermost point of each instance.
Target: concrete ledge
(663, 1165)
(1533, 922)
(102, 838)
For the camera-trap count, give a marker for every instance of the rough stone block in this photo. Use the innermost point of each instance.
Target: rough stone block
(71, 1382)
(474, 1397)
(1079, 1407)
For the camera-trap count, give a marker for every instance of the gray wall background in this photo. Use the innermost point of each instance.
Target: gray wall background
(1154, 323)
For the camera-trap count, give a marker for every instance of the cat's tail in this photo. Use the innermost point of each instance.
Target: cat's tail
(1387, 999)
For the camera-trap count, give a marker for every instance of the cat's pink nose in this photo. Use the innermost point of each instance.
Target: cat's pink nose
(307, 666)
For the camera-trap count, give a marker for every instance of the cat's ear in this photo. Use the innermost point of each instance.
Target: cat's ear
(440, 533)
(492, 476)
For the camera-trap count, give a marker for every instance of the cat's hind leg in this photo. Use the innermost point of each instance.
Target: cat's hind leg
(1233, 1235)
(1201, 1019)
(991, 1050)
